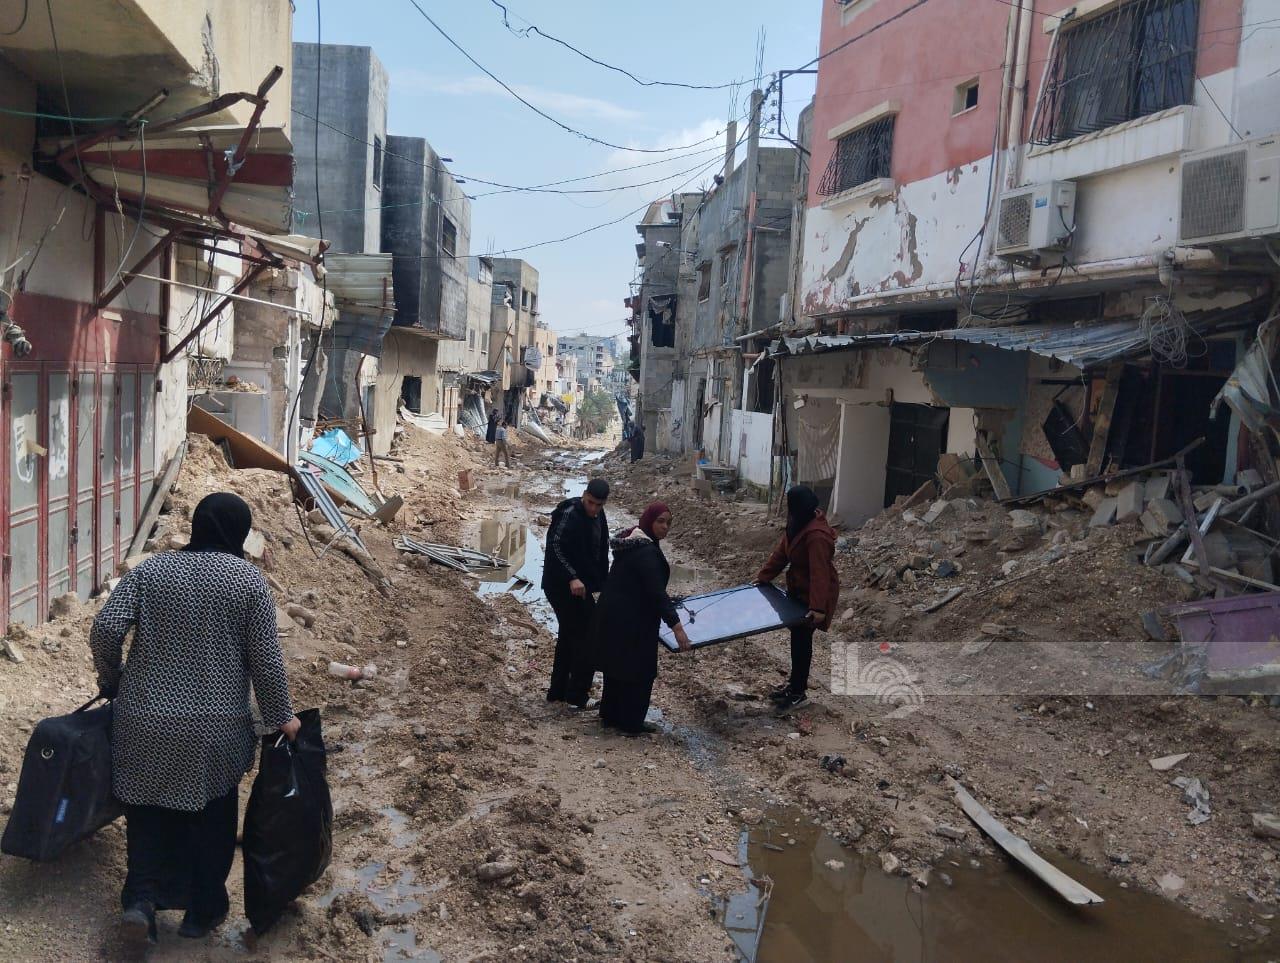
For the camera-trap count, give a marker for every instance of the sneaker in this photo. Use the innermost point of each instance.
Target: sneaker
(193, 929)
(779, 692)
(591, 705)
(139, 923)
(792, 701)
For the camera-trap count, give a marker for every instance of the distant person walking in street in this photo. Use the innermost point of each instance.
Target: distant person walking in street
(577, 563)
(637, 443)
(501, 451)
(632, 608)
(204, 627)
(491, 433)
(807, 552)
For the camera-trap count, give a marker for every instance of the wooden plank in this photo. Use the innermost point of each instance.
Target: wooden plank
(1102, 425)
(155, 502)
(1020, 850)
(992, 467)
(1102, 479)
(1182, 481)
(1210, 517)
(1237, 577)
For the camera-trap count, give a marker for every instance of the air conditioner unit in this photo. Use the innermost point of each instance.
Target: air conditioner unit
(1036, 218)
(1231, 192)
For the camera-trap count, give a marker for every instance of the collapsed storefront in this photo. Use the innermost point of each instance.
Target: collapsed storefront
(870, 417)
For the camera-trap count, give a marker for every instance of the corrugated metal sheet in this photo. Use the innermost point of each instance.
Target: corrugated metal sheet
(362, 290)
(1084, 346)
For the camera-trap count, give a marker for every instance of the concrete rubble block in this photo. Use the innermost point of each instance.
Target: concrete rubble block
(1129, 502)
(936, 511)
(1094, 497)
(1024, 522)
(1159, 486)
(1104, 514)
(953, 833)
(1165, 511)
(255, 546)
(1154, 527)
(1250, 478)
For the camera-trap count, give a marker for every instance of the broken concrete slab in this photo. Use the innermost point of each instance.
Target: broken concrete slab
(1153, 526)
(255, 546)
(1105, 514)
(1094, 497)
(936, 511)
(1158, 486)
(1129, 502)
(1165, 763)
(1171, 884)
(1024, 522)
(1166, 511)
(1266, 825)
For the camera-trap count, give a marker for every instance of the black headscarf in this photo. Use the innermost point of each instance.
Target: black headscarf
(220, 523)
(802, 507)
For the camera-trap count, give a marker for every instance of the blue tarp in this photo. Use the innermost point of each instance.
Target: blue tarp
(336, 446)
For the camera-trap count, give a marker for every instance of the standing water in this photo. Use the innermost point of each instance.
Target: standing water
(823, 903)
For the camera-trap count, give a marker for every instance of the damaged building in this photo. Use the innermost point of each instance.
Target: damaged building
(1067, 305)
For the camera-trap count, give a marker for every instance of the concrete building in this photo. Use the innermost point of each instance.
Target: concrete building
(595, 355)
(999, 305)
(514, 318)
(340, 187)
(426, 228)
(464, 365)
(95, 360)
(714, 270)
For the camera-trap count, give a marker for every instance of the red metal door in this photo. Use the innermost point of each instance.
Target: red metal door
(84, 537)
(57, 512)
(22, 555)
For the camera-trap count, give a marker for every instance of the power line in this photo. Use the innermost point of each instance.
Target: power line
(26, 9)
(532, 28)
(542, 113)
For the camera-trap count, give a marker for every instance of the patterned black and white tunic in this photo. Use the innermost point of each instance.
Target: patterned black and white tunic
(204, 627)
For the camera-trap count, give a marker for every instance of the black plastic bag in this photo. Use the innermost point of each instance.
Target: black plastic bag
(288, 825)
(64, 792)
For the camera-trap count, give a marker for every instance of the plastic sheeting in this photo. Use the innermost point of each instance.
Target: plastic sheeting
(337, 446)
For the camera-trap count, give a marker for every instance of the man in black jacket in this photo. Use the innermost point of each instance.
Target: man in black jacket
(576, 565)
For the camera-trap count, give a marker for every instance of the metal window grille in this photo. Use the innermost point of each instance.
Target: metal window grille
(861, 156)
(448, 238)
(377, 162)
(1137, 59)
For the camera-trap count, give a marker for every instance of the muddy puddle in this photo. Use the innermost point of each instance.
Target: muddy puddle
(816, 902)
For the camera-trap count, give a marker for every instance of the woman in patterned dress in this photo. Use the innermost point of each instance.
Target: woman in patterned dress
(204, 628)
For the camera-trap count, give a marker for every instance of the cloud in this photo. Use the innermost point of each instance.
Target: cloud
(555, 102)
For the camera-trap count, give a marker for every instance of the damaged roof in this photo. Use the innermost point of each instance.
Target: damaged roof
(1084, 346)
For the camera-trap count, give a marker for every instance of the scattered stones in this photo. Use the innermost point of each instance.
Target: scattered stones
(66, 606)
(834, 865)
(1171, 884)
(500, 869)
(1195, 795)
(1165, 763)
(11, 651)
(936, 511)
(752, 817)
(890, 863)
(301, 614)
(953, 833)
(1024, 522)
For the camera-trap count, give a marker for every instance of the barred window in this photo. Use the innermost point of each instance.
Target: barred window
(1135, 60)
(861, 156)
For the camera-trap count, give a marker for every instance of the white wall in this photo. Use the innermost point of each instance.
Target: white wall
(752, 446)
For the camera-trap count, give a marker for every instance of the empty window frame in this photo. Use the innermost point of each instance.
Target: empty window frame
(377, 162)
(704, 280)
(448, 237)
(1136, 59)
(966, 97)
(860, 156)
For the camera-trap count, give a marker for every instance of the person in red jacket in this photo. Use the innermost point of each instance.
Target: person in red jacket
(807, 552)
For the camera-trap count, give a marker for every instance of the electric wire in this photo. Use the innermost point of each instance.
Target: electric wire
(26, 10)
(542, 113)
(532, 28)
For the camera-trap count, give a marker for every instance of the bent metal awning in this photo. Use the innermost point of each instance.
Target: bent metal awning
(1084, 346)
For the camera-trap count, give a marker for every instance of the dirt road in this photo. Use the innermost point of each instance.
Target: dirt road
(611, 848)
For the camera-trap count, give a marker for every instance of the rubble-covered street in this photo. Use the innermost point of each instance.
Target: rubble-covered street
(474, 821)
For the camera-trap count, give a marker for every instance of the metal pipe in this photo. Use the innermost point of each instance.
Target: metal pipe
(225, 294)
(1019, 93)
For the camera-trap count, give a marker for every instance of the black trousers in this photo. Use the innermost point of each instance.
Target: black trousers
(625, 703)
(574, 668)
(180, 860)
(801, 658)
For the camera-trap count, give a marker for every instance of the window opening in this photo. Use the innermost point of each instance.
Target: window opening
(861, 156)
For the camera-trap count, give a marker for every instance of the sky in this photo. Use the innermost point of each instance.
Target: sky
(437, 94)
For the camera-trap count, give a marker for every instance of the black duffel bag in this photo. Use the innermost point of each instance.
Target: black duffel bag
(288, 825)
(64, 792)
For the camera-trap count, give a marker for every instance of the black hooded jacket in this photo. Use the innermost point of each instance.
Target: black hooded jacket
(632, 608)
(577, 547)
